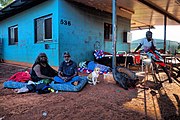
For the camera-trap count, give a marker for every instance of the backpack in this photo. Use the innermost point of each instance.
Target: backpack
(124, 77)
(42, 88)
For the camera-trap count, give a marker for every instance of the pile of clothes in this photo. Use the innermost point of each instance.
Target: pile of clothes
(88, 67)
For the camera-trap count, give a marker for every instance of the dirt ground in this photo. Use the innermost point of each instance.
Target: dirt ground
(105, 101)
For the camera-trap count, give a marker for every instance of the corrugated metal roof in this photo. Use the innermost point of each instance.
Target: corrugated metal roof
(143, 13)
(18, 6)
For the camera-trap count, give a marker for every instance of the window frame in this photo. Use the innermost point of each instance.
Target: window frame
(11, 33)
(44, 18)
(107, 30)
(127, 37)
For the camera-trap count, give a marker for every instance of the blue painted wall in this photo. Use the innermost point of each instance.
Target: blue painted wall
(87, 31)
(81, 37)
(26, 50)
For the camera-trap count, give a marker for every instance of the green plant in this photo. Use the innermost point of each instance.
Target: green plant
(4, 3)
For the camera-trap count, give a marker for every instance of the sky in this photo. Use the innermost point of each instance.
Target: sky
(172, 33)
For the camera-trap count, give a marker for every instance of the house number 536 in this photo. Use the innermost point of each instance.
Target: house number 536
(65, 22)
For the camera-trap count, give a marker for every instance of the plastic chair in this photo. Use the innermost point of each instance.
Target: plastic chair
(147, 62)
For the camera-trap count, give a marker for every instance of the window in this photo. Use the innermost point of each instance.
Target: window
(43, 29)
(127, 37)
(107, 31)
(13, 35)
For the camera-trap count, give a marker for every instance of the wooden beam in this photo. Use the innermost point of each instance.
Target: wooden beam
(160, 10)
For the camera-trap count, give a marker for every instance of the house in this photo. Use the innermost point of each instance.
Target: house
(29, 27)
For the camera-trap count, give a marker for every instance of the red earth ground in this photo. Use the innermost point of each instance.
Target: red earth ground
(104, 101)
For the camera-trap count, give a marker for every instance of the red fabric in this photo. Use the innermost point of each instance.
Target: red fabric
(137, 59)
(20, 77)
(157, 57)
(107, 53)
(120, 55)
(161, 64)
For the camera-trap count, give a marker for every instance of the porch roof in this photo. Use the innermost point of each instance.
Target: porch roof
(143, 13)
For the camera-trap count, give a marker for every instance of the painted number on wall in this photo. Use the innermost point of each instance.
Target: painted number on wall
(65, 22)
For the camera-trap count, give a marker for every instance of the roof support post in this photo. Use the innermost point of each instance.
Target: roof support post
(165, 23)
(114, 33)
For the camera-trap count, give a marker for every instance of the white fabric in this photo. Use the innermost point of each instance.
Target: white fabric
(147, 61)
(147, 44)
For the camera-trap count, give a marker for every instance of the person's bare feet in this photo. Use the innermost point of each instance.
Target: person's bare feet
(21, 90)
(75, 83)
(16, 90)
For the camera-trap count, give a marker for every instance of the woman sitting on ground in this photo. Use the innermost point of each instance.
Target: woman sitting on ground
(41, 72)
(41, 69)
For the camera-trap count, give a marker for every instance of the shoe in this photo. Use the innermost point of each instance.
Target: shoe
(153, 93)
(170, 80)
(157, 71)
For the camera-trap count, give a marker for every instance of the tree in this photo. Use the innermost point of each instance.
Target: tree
(4, 3)
(179, 46)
